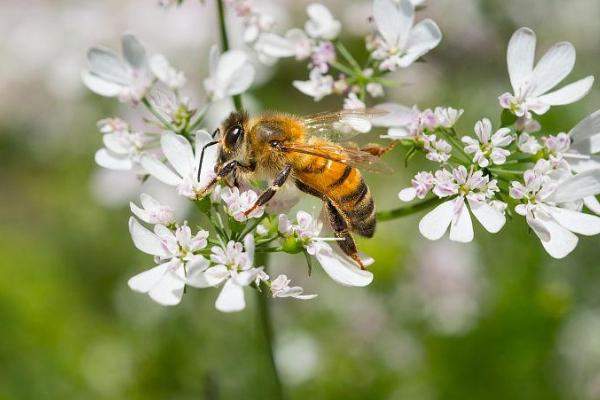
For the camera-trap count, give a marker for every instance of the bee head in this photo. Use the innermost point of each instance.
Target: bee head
(232, 131)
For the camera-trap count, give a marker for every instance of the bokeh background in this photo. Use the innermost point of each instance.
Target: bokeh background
(494, 319)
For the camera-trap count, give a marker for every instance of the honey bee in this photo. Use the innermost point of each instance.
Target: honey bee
(309, 152)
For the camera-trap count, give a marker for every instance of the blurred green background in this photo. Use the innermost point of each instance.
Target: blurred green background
(494, 319)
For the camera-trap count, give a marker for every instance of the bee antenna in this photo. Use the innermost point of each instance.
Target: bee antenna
(216, 132)
(202, 155)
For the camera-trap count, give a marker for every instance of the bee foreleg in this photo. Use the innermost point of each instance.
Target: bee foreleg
(339, 224)
(222, 173)
(265, 196)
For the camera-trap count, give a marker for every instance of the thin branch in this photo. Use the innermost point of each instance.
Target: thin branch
(407, 210)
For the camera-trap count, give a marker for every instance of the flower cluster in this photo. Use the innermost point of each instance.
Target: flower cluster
(395, 42)
(547, 178)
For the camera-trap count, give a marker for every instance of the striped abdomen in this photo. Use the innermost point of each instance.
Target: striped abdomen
(345, 187)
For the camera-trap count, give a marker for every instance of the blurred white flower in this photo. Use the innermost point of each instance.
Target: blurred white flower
(556, 226)
(174, 252)
(422, 183)
(399, 43)
(271, 46)
(375, 89)
(185, 162)
(321, 23)
(477, 190)
(123, 149)
(128, 79)
(447, 117)
(531, 85)
(437, 150)
(234, 269)
(165, 73)
(489, 148)
(297, 357)
(231, 73)
(318, 85)
(153, 212)
(280, 287)
(528, 144)
(237, 203)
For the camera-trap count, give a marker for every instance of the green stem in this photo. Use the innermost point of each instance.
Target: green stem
(237, 99)
(266, 325)
(348, 57)
(407, 210)
(157, 114)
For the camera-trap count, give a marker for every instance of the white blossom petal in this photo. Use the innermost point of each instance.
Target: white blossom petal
(179, 152)
(100, 85)
(577, 222)
(231, 298)
(216, 275)
(146, 280)
(145, 240)
(133, 51)
(560, 241)
(592, 203)
(570, 93)
(435, 223)
(520, 56)
(342, 269)
(107, 66)
(170, 289)
(577, 187)
(393, 21)
(461, 228)
(553, 67)
(106, 159)
(425, 36)
(580, 134)
(160, 171)
(489, 217)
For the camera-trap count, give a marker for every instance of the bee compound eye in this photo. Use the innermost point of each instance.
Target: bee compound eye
(234, 134)
(274, 143)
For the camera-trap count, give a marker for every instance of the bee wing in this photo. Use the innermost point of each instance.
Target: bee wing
(352, 156)
(341, 125)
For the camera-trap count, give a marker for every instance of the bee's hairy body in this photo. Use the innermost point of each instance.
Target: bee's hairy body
(261, 154)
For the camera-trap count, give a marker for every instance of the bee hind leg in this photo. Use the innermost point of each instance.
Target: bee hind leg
(339, 224)
(378, 150)
(265, 196)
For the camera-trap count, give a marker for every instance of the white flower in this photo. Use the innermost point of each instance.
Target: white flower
(321, 23)
(280, 287)
(165, 73)
(446, 117)
(175, 254)
(230, 74)
(478, 191)
(400, 43)
(128, 78)
(234, 269)
(531, 85)
(422, 183)
(323, 55)
(185, 162)
(437, 150)
(528, 143)
(318, 85)
(271, 46)
(339, 267)
(238, 203)
(584, 151)
(152, 212)
(123, 149)
(489, 148)
(375, 89)
(353, 123)
(556, 226)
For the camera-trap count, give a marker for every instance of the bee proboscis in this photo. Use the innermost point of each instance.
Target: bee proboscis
(310, 152)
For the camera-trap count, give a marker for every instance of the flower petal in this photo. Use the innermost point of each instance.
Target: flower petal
(489, 217)
(342, 269)
(210, 157)
(106, 65)
(274, 45)
(461, 229)
(577, 222)
(146, 280)
(593, 204)
(570, 93)
(133, 51)
(101, 86)
(553, 67)
(145, 240)
(243, 80)
(216, 275)
(435, 223)
(583, 131)
(196, 269)
(520, 56)
(139, 212)
(179, 152)
(425, 36)
(577, 187)
(231, 298)
(169, 290)
(106, 159)
(393, 21)
(160, 171)
(560, 241)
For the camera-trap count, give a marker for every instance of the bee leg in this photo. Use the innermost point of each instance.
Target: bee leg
(378, 150)
(340, 227)
(222, 173)
(265, 196)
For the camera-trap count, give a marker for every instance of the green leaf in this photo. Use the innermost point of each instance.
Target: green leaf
(203, 205)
